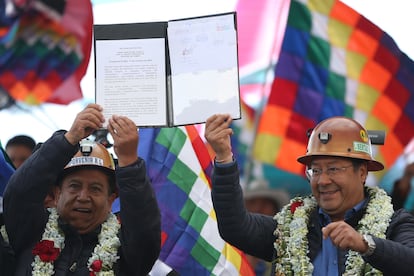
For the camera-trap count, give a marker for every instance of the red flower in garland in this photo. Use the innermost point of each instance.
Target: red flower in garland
(46, 251)
(96, 266)
(295, 205)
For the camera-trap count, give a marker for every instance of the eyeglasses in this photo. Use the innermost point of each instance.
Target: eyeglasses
(331, 172)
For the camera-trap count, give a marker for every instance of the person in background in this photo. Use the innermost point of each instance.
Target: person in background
(403, 187)
(343, 228)
(19, 148)
(81, 236)
(259, 198)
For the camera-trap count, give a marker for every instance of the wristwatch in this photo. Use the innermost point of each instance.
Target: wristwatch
(371, 245)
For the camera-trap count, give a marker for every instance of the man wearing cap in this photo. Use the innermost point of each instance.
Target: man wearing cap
(81, 236)
(343, 228)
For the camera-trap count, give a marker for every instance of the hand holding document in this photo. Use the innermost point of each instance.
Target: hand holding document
(171, 73)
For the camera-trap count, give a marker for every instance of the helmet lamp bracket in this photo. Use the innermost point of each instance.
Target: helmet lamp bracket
(86, 148)
(324, 137)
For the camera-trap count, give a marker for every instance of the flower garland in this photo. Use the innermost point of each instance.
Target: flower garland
(374, 222)
(3, 232)
(53, 241)
(291, 234)
(48, 249)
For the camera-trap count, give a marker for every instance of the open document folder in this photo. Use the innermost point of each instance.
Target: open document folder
(171, 73)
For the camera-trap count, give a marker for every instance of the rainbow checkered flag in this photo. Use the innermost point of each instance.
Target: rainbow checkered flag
(261, 26)
(44, 49)
(335, 62)
(179, 166)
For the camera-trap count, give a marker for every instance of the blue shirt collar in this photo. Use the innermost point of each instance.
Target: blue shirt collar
(325, 219)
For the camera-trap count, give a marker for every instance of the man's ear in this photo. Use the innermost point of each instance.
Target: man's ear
(50, 199)
(57, 191)
(112, 197)
(363, 170)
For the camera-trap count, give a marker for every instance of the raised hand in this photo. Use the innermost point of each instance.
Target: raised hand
(218, 133)
(125, 135)
(85, 123)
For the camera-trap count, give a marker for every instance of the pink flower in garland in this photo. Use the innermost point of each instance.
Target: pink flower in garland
(46, 251)
(295, 205)
(96, 266)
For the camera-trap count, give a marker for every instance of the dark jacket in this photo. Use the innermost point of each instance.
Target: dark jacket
(25, 216)
(253, 233)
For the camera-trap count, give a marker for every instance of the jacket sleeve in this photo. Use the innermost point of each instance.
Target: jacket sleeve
(251, 233)
(24, 213)
(393, 255)
(140, 219)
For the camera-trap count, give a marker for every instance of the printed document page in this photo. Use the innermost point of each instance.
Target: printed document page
(131, 79)
(204, 68)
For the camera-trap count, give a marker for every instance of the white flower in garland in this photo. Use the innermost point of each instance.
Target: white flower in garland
(291, 243)
(103, 257)
(374, 222)
(4, 234)
(48, 249)
(103, 254)
(291, 234)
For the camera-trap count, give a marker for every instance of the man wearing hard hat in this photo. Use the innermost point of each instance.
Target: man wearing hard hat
(343, 228)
